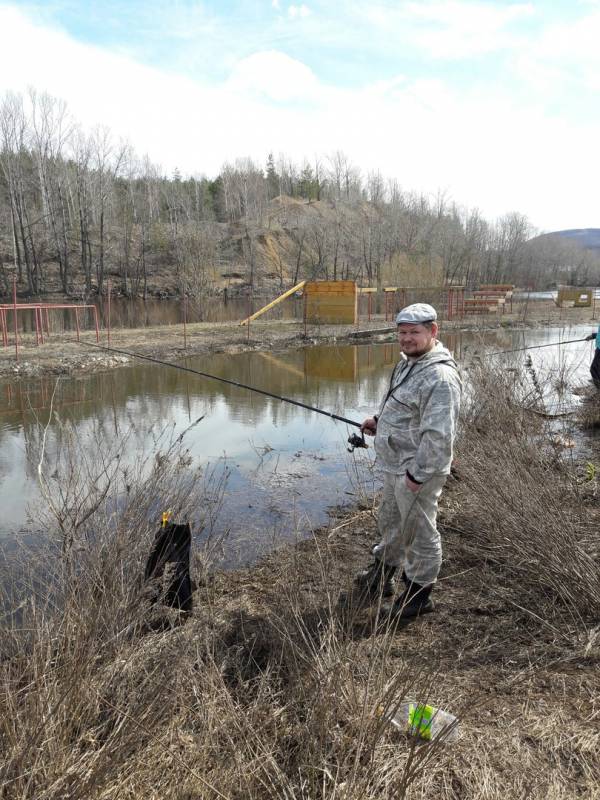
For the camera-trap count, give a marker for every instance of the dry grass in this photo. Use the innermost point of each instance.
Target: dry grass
(589, 412)
(271, 689)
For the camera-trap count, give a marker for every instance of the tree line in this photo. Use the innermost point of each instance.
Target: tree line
(78, 206)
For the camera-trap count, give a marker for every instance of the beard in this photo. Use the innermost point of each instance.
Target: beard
(417, 352)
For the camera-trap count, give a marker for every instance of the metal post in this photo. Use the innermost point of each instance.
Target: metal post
(41, 316)
(77, 321)
(15, 313)
(96, 323)
(47, 322)
(249, 315)
(4, 328)
(369, 306)
(36, 323)
(304, 311)
(185, 321)
(108, 319)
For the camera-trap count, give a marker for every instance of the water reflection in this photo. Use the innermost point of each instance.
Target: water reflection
(286, 464)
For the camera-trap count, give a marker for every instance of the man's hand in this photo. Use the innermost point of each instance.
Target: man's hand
(369, 426)
(412, 485)
(591, 337)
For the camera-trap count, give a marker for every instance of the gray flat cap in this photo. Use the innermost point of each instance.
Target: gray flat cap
(416, 314)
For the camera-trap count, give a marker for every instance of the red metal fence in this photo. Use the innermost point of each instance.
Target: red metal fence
(41, 317)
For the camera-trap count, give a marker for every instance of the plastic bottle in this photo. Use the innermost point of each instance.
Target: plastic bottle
(425, 721)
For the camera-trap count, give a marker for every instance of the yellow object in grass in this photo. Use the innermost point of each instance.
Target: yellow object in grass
(590, 471)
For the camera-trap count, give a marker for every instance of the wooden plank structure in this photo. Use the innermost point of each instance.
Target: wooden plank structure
(574, 297)
(331, 302)
(489, 298)
(270, 305)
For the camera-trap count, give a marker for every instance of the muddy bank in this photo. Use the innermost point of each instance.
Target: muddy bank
(61, 354)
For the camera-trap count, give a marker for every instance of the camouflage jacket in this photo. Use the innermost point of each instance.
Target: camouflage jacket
(417, 419)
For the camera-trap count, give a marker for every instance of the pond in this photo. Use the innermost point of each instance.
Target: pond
(285, 467)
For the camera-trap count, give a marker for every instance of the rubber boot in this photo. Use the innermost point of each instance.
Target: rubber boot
(414, 601)
(376, 580)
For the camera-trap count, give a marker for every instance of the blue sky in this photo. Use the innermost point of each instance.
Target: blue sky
(492, 103)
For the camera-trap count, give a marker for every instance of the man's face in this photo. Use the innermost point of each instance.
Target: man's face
(416, 340)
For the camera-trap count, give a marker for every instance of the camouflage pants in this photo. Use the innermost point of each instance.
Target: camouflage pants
(410, 539)
(595, 368)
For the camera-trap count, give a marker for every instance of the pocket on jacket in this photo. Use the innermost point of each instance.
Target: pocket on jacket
(394, 443)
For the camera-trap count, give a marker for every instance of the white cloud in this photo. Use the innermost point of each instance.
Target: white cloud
(564, 55)
(275, 3)
(455, 29)
(275, 76)
(480, 145)
(296, 12)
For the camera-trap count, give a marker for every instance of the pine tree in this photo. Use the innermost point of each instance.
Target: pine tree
(272, 178)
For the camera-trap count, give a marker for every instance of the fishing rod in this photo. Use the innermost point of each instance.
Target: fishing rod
(354, 440)
(536, 346)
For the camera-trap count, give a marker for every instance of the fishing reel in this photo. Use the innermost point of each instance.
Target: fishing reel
(356, 441)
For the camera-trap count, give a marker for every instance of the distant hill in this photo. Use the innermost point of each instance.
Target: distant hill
(586, 238)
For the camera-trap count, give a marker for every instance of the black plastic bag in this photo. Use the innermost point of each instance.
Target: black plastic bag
(168, 566)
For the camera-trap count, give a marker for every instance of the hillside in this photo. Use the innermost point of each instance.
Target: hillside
(291, 239)
(586, 238)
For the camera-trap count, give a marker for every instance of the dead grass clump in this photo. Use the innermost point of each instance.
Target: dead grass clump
(266, 699)
(271, 691)
(521, 503)
(588, 414)
(258, 705)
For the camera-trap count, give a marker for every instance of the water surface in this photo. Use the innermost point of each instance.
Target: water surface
(286, 466)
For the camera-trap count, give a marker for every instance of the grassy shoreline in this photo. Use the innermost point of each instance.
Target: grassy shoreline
(271, 688)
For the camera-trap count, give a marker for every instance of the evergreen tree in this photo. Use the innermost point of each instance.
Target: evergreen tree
(307, 187)
(272, 178)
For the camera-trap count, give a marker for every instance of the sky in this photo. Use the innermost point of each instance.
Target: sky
(493, 104)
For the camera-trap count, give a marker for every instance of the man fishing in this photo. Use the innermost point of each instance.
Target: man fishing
(595, 365)
(414, 433)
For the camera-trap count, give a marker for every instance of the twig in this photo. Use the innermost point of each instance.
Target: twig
(349, 521)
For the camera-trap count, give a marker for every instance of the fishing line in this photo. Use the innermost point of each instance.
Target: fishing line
(152, 359)
(536, 347)
(354, 440)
